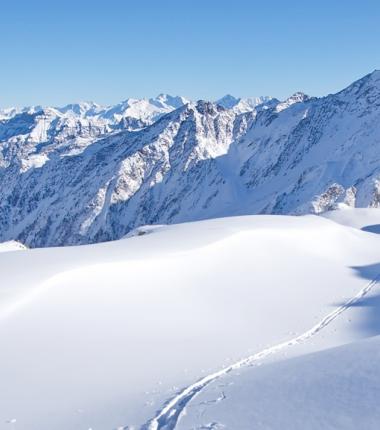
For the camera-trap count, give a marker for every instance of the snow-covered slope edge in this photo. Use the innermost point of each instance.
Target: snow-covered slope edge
(12, 245)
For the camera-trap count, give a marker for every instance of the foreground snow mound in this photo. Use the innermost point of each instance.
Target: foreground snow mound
(104, 336)
(12, 245)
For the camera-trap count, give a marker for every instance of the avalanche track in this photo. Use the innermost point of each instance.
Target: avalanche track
(167, 417)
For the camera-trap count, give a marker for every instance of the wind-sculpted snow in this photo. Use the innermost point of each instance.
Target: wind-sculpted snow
(85, 173)
(104, 336)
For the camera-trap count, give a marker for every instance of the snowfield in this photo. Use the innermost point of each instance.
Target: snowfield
(333, 389)
(239, 323)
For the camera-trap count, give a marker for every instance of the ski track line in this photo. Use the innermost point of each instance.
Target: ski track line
(167, 417)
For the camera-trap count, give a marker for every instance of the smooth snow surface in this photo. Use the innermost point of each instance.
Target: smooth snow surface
(104, 336)
(362, 218)
(11, 245)
(333, 389)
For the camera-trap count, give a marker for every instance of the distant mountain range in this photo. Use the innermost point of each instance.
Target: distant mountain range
(85, 173)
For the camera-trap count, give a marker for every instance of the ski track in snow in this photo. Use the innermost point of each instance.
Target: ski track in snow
(168, 416)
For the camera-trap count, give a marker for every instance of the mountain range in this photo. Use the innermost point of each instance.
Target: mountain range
(87, 173)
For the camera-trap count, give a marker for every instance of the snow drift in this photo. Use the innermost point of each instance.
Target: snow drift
(104, 336)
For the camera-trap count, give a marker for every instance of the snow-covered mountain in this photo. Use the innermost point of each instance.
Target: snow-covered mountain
(84, 173)
(130, 114)
(79, 183)
(248, 104)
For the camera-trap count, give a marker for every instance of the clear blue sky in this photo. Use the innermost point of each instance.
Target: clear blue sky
(55, 52)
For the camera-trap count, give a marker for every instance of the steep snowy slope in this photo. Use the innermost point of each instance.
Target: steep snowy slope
(69, 179)
(122, 181)
(103, 336)
(315, 152)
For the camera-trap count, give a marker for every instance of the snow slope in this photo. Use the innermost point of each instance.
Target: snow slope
(362, 218)
(12, 245)
(103, 336)
(333, 389)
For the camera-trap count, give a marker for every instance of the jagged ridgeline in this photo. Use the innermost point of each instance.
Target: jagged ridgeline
(86, 173)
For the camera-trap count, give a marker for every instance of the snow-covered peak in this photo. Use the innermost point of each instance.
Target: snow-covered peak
(165, 101)
(251, 104)
(367, 86)
(82, 109)
(228, 101)
(145, 110)
(246, 104)
(298, 97)
(256, 101)
(206, 107)
(9, 112)
(375, 76)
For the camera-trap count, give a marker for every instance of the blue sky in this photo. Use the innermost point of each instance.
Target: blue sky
(55, 52)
